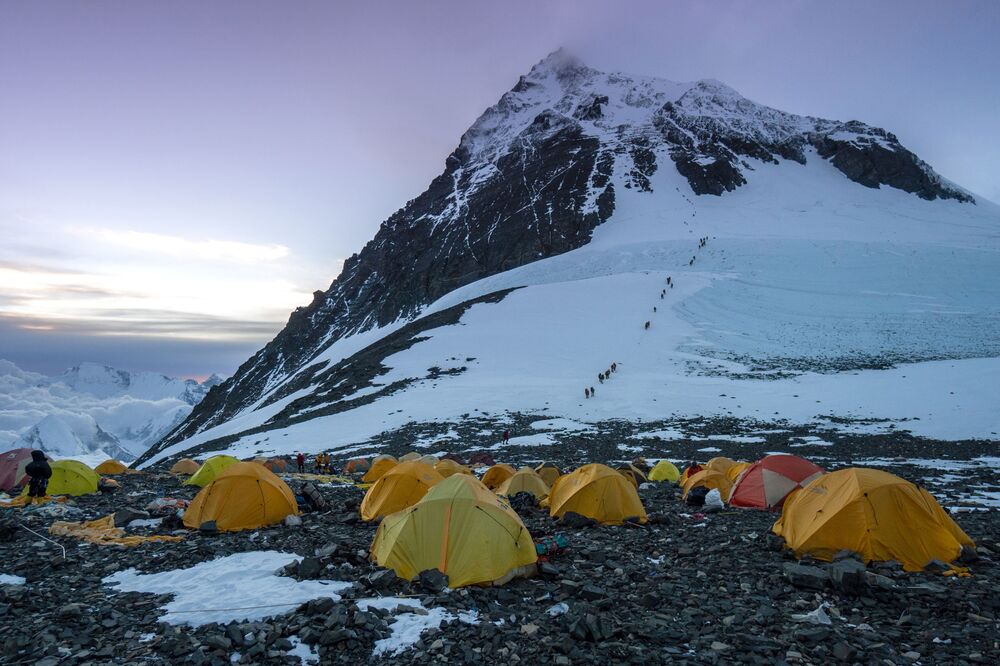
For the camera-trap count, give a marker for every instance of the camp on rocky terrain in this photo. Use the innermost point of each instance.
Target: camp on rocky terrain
(159, 571)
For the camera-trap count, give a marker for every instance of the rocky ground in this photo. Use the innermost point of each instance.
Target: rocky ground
(686, 588)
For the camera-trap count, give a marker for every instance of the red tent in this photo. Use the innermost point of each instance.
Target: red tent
(766, 483)
(12, 464)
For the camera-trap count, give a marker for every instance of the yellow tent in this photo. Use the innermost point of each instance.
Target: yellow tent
(733, 473)
(598, 492)
(549, 471)
(711, 479)
(664, 471)
(209, 470)
(525, 480)
(185, 466)
(720, 464)
(497, 474)
(429, 460)
(384, 456)
(402, 486)
(410, 457)
(873, 513)
(379, 467)
(448, 467)
(633, 474)
(460, 528)
(244, 496)
(70, 477)
(111, 468)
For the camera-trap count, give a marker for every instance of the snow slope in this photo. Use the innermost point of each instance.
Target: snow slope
(92, 410)
(804, 272)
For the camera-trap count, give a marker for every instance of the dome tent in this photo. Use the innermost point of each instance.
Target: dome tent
(664, 471)
(497, 474)
(525, 480)
(210, 469)
(243, 496)
(379, 467)
(549, 471)
(402, 486)
(356, 466)
(460, 528)
(111, 468)
(185, 466)
(71, 477)
(447, 467)
(766, 483)
(596, 491)
(12, 464)
(711, 479)
(872, 513)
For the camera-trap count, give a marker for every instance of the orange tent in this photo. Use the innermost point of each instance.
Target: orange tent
(356, 466)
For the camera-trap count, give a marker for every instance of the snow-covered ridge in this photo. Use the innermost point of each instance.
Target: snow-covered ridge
(92, 409)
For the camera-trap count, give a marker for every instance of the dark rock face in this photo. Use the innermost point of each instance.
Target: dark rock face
(533, 208)
(876, 158)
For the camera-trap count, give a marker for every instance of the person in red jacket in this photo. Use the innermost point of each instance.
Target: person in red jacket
(300, 460)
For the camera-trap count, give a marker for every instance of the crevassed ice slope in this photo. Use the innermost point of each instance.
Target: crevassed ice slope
(801, 264)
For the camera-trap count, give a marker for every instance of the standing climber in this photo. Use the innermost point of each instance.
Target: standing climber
(300, 462)
(600, 377)
(506, 436)
(586, 392)
(39, 473)
(647, 326)
(614, 367)
(654, 309)
(592, 392)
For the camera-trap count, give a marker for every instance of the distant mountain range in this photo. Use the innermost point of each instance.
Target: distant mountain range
(92, 409)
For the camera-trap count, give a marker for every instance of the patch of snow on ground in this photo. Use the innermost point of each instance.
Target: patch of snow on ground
(709, 449)
(8, 579)
(240, 587)
(305, 653)
(561, 424)
(667, 433)
(412, 621)
(146, 522)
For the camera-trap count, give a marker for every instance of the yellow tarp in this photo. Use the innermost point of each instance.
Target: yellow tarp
(402, 486)
(873, 513)
(720, 464)
(70, 477)
(321, 478)
(525, 480)
(210, 469)
(460, 528)
(243, 496)
(22, 500)
(664, 471)
(598, 492)
(104, 533)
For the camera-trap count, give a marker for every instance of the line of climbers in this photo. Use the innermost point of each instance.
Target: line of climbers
(601, 376)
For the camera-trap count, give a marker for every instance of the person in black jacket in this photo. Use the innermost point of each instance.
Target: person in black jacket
(39, 473)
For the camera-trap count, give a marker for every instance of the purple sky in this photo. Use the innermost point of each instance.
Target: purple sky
(176, 177)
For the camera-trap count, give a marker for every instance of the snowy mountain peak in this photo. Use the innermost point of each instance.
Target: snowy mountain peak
(569, 155)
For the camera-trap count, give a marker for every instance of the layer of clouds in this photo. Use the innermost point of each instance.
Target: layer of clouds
(31, 400)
